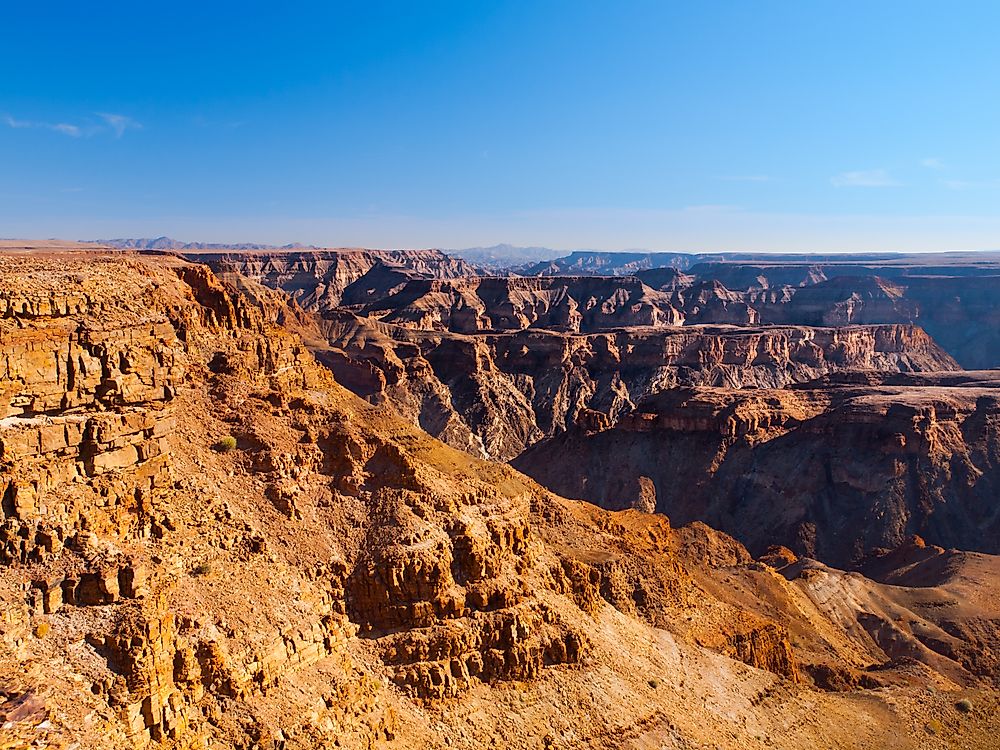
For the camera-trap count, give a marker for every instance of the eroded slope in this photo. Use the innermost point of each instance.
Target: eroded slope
(339, 578)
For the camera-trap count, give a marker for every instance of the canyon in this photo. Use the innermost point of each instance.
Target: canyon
(562, 375)
(352, 434)
(836, 469)
(208, 540)
(496, 394)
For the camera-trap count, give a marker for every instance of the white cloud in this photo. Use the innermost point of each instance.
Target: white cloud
(932, 162)
(110, 121)
(66, 129)
(865, 178)
(119, 123)
(58, 127)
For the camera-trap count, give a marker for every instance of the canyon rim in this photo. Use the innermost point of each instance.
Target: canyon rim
(560, 375)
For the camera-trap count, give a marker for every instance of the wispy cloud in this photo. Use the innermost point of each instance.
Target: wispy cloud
(865, 178)
(108, 123)
(65, 128)
(119, 123)
(745, 178)
(932, 162)
(58, 127)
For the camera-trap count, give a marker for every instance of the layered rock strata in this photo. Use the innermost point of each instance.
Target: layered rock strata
(835, 469)
(321, 280)
(494, 395)
(296, 568)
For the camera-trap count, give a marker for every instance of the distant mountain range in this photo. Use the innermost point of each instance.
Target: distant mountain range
(505, 256)
(168, 243)
(544, 261)
(504, 259)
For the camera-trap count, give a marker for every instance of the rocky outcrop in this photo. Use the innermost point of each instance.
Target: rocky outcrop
(834, 470)
(494, 395)
(303, 569)
(87, 412)
(473, 305)
(592, 262)
(954, 297)
(320, 279)
(97, 513)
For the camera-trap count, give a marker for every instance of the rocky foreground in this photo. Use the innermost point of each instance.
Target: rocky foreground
(207, 541)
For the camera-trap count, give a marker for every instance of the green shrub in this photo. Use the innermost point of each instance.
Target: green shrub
(964, 705)
(202, 569)
(226, 444)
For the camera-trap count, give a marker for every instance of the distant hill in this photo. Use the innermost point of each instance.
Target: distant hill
(604, 263)
(505, 256)
(168, 243)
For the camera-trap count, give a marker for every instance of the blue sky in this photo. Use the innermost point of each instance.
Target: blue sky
(683, 126)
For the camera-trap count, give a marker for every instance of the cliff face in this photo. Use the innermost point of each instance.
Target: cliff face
(495, 394)
(834, 470)
(159, 563)
(575, 305)
(333, 577)
(319, 279)
(958, 306)
(954, 297)
(961, 313)
(591, 262)
(493, 365)
(957, 303)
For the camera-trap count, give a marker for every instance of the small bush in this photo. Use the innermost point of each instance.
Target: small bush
(228, 443)
(964, 705)
(654, 683)
(202, 569)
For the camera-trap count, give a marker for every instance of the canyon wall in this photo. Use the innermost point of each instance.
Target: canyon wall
(471, 305)
(208, 542)
(496, 394)
(319, 279)
(833, 470)
(954, 298)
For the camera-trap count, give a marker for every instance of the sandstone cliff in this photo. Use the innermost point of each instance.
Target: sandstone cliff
(495, 394)
(835, 469)
(319, 279)
(471, 305)
(208, 542)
